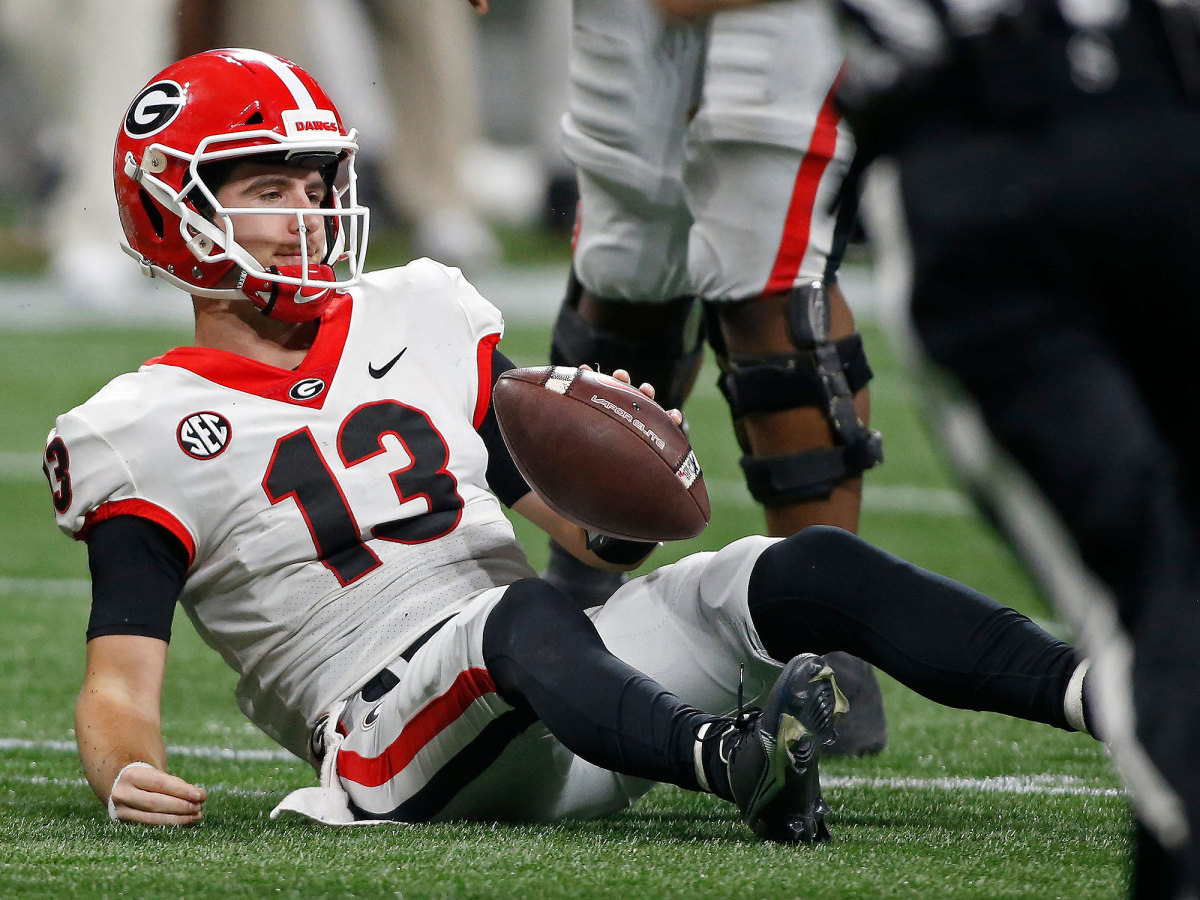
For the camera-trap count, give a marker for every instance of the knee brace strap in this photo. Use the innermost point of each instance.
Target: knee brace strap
(773, 383)
(810, 474)
(823, 373)
(667, 358)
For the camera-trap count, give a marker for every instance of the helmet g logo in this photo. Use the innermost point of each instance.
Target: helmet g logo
(154, 109)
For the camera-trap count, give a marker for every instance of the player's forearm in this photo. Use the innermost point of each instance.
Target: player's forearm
(575, 540)
(570, 536)
(117, 723)
(111, 733)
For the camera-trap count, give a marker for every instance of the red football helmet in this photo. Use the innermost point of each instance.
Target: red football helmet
(232, 105)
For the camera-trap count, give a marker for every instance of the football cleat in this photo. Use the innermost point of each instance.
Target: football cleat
(771, 755)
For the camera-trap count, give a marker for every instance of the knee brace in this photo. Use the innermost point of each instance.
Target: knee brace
(666, 356)
(822, 373)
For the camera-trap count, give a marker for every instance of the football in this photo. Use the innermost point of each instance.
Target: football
(601, 453)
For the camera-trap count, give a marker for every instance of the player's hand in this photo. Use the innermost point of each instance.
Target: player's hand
(481, 6)
(646, 388)
(153, 797)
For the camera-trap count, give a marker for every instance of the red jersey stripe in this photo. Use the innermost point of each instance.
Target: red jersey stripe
(794, 242)
(484, 358)
(145, 510)
(439, 713)
(270, 382)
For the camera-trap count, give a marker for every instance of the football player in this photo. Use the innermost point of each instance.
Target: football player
(318, 482)
(710, 164)
(1035, 160)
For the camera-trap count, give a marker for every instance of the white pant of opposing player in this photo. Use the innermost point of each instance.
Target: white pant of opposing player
(708, 154)
(442, 745)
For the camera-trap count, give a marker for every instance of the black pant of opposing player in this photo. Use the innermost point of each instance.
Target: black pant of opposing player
(820, 590)
(1024, 275)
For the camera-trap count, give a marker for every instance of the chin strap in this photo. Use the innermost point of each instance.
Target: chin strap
(285, 301)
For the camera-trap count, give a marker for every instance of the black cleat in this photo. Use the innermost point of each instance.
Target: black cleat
(771, 755)
(863, 730)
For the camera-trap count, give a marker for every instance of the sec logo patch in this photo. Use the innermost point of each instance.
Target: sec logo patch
(204, 435)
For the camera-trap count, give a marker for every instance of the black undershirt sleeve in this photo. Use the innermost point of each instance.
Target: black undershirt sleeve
(503, 477)
(138, 569)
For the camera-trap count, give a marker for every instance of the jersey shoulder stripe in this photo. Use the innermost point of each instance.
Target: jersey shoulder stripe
(145, 510)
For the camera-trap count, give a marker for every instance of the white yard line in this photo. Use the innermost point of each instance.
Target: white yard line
(80, 589)
(1002, 784)
(20, 466)
(224, 753)
(27, 467)
(902, 498)
(41, 780)
(907, 498)
(1045, 784)
(73, 588)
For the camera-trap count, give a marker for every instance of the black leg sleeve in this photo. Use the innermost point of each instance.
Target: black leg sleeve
(543, 653)
(826, 589)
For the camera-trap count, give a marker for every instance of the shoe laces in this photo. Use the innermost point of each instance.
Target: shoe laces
(728, 726)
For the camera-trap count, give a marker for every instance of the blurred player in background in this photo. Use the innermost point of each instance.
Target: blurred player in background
(1043, 160)
(64, 55)
(710, 160)
(427, 93)
(318, 482)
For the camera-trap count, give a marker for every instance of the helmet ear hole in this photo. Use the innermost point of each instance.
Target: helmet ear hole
(152, 213)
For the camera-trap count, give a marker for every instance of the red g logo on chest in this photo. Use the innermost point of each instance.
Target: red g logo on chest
(204, 435)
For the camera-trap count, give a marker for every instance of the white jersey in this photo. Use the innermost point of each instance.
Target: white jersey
(331, 514)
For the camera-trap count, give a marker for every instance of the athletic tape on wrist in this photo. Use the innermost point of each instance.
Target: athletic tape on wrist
(112, 807)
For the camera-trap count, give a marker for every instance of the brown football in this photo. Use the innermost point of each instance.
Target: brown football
(601, 454)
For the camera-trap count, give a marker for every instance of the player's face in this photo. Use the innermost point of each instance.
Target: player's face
(275, 240)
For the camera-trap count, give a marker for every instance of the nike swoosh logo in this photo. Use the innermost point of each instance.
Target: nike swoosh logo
(386, 367)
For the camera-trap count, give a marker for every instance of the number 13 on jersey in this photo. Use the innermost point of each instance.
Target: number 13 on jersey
(298, 472)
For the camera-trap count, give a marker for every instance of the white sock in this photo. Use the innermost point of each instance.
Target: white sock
(1073, 699)
(698, 756)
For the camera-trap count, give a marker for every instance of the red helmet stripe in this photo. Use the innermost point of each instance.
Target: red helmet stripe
(303, 98)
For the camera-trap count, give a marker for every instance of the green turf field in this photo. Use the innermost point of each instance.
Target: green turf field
(960, 805)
